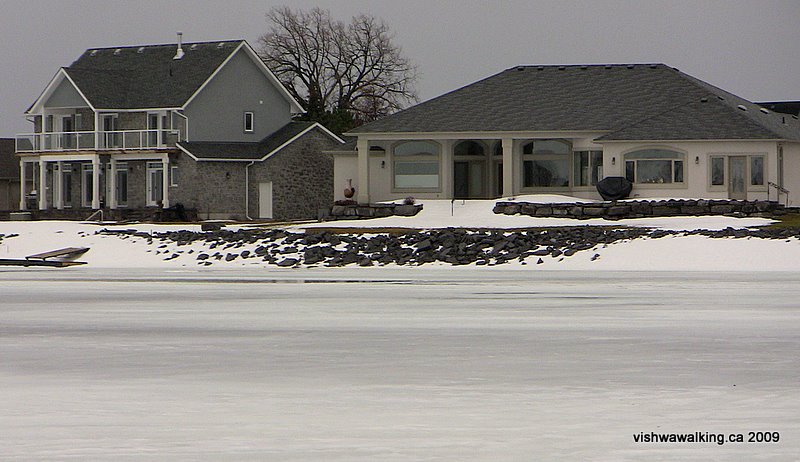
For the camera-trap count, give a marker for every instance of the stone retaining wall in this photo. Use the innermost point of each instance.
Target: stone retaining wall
(640, 209)
(356, 211)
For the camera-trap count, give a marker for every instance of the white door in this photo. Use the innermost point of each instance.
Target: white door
(265, 200)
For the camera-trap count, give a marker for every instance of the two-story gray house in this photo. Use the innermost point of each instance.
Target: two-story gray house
(205, 125)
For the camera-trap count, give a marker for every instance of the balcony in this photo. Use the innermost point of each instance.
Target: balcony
(121, 140)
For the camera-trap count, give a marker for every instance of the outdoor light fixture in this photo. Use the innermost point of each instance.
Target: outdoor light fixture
(696, 160)
(383, 164)
(613, 161)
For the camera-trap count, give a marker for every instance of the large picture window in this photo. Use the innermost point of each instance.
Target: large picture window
(545, 164)
(416, 165)
(654, 166)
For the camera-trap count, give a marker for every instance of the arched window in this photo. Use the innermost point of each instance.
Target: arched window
(416, 165)
(545, 163)
(654, 166)
(468, 148)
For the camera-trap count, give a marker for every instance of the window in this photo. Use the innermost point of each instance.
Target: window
(545, 163)
(248, 122)
(173, 176)
(588, 167)
(416, 165)
(757, 170)
(468, 148)
(654, 166)
(717, 171)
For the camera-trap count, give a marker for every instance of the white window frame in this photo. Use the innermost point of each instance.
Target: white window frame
(419, 159)
(748, 171)
(251, 129)
(173, 175)
(543, 157)
(592, 166)
(680, 156)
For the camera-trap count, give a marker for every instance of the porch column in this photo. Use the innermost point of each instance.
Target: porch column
(165, 181)
(42, 185)
(508, 167)
(96, 182)
(112, 184)
(22, 180)
(447, 169)
(363, 171)
(96, 130)
(58, 200)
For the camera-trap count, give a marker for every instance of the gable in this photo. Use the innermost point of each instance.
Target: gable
(65, 95)
(216, 112)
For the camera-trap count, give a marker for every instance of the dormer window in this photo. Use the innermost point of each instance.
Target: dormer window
(248, 122)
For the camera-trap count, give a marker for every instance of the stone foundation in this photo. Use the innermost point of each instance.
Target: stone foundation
(617, 210)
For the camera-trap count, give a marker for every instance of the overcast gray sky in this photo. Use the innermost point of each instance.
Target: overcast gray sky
(748, 47)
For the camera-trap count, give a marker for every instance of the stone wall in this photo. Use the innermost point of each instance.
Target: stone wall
(354, 211)
(640, 209)
(301, 176)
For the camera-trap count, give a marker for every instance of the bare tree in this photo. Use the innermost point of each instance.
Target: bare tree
(349, 72)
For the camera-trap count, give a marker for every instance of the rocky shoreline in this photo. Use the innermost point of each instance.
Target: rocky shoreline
(452, 246)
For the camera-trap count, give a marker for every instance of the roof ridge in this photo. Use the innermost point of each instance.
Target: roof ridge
(578, 65)
(207, 42)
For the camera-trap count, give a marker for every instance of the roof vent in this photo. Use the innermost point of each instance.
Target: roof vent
(140, 50)
(794, 117)
(608, 66)
(721, 98)
(117, 51)
(629, 66)
(541, 68)
(764, 110)
(193, 47)
(783, 120)
(93, 53)
(520, 68)
(704, 99)
(741, 106)
(561, 68)
(220, 44)
(653, 66)
(584, 67)
(179, 52)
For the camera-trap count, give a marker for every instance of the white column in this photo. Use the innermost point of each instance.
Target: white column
(96, 130)
(22, 180)
(508, 167)
(112, 184)
(96, 182)
(58, 190)
(42, 185)
(447, 169)
(363, 171)
(165, 181)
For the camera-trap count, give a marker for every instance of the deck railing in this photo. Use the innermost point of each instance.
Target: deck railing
(118, 140)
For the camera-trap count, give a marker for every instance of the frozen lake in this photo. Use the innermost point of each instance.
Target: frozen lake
(395, 364)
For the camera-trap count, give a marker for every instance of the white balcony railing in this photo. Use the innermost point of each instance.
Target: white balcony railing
(120, 140)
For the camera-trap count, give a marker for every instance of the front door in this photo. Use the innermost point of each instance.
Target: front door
(111, 139)
(67, 137)
(461, 180)
(155, 184)
(737, 174)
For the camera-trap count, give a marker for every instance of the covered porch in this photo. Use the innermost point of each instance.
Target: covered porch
(94, 181)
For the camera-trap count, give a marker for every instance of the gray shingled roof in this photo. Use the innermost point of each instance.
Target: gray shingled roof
(590, 97)
(146, 77)
(245, 151)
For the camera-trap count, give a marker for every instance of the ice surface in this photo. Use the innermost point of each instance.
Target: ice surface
(402, 364)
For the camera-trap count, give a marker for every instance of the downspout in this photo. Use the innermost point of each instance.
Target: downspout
(247, 190)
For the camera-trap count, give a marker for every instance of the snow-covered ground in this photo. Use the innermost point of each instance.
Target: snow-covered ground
(394, 364)
(671, 253)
